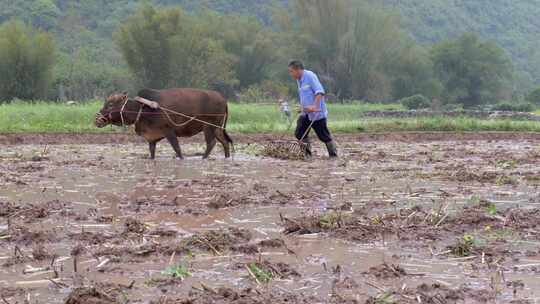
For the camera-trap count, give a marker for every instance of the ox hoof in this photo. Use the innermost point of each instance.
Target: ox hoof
(179, 158)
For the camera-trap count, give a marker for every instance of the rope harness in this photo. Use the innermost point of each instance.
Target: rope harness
(193, 118)
(126, 99)
(167, 112)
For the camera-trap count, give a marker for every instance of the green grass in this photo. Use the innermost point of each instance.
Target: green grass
(44, 117)
(23, 117)
(179, 271)
(262, 275)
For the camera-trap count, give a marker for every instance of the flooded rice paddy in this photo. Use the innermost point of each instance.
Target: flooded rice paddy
(389, 222)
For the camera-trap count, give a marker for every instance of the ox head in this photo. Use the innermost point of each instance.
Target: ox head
(110, 113)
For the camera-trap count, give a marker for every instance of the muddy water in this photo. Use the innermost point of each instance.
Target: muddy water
(99, 181)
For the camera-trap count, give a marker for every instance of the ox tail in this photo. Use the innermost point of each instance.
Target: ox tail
(227, 136)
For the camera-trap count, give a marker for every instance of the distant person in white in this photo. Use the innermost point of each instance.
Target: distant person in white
(284, 107)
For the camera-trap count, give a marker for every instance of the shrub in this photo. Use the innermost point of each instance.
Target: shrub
(415, 102)
(534, 97)
(253, 93)
(452, 107)
(267, 91)
(158, 43)
(26, 61)
(513, 106)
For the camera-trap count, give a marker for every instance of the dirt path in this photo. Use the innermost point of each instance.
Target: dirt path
(74, 138)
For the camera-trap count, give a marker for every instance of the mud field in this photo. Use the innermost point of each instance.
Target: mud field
(389, 222)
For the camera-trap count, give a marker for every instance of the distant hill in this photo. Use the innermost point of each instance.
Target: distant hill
(102, 13)
(515, 25)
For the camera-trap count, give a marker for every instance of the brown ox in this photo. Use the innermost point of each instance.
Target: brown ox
(181, 113)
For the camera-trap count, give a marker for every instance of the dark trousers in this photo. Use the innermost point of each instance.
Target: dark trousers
(319, 126)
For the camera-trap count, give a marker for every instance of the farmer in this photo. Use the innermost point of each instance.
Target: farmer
(314, 112)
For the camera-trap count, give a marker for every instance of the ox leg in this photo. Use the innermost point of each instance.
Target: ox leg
(173, 140)
(152, 148)
(210, 137)
(220, 135)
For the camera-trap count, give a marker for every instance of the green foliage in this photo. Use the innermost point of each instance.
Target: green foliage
(259, 8)
(513, 106)
(178, 271)
(385, 297)
(45, 13)
(168, 48)
(514, 27)
(472, 71)
(251, 44)
(26, 61)
(361, 51)
(82, 75)
(164, 48)
(267, 91)
(330, 220)
(534, 97)
(359, 48)
(464, 246)
(41, 13)
(505, 180)
(415, 102)
(262, 275)
(412, 72)
(87, 65)
(506, 164)
(491, 209)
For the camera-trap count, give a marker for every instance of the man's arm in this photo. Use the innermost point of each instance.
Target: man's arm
(317, 107)
(319, 92)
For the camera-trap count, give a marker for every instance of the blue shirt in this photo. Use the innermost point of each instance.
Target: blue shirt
(309, 86)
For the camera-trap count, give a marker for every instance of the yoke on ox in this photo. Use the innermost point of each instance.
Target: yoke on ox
(170, 114)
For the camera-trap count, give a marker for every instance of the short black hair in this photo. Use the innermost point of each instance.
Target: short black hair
(296, 64)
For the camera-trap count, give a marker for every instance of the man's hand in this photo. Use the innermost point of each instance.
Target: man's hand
(311, 109)
(317, 106)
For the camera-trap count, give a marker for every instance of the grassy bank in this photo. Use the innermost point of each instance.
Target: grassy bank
(45, 117)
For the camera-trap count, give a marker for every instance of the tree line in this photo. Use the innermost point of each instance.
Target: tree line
(360, 51)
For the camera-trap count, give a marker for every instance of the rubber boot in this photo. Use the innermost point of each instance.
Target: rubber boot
(332, 149)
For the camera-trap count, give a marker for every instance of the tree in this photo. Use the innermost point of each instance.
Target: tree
(44, 14)
(87, 66)
(412, 73)
(322, 24)
(534, 97)
(251, 44)
(26, 60)
(361, 51)
(265, 34)
(416, 102)
(169, 48)
(80, 75)
(41, 13)
(472, 71)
